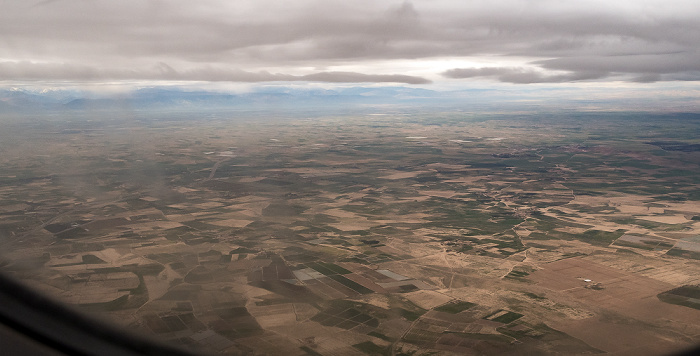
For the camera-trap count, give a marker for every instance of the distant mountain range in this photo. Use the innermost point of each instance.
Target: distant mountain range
(165, 98)
(289, 98)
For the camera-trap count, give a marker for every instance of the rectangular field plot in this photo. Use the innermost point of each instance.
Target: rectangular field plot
(578, 273)
(688, 296)
(328, 269)
(323, 290)
(644, 242)
(345, 318)
(351, 284)
(504, 316)
(608, 288)
(456, 336)
(455, 307)
(331, 281)
(688, 247)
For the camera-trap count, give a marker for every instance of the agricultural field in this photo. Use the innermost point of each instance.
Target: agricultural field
(365, 234)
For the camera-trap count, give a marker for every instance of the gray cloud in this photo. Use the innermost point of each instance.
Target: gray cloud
(162, 71)
(350, 77)
(522, 75)
(628, 39)
(639, 63)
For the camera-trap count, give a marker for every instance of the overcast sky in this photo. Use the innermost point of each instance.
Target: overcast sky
(359, 41)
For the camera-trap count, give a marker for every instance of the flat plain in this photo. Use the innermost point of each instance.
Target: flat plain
(399, 234)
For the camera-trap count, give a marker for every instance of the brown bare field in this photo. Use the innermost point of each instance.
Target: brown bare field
(438, 193)
(231, 222)
(427, 299)
(623, 338)
(631, 296)
(402, 175)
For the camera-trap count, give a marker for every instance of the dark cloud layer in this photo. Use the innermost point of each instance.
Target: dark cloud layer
(553, 41)
(29, 71)
(522, 76)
